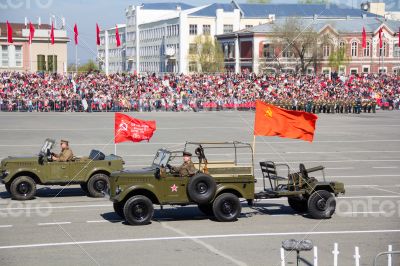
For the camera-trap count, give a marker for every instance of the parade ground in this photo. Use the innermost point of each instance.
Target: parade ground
(63, 226)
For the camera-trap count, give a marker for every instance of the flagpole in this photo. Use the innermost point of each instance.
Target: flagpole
(76, 59)
(115, 149)
(30, 56)
(254, 145)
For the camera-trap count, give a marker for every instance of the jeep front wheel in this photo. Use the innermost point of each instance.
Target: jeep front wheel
(226, 207)
(138, 210)
(97, 185)
(321, 204)
(23, 188)
(119, 209)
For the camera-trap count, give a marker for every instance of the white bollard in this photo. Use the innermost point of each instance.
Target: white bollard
(282, 257)
(390, 255)
(335, 253)
(315, 256)
(357, 256)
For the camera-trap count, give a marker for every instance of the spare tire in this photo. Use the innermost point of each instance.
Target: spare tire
(201, 188)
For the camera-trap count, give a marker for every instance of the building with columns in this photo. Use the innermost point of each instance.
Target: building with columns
(260, 52)
(41, 55)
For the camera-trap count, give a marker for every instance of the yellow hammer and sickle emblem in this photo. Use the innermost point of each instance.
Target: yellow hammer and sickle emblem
(268, 112)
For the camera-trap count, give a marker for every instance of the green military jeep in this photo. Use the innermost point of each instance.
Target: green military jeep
(217, 186)
(21, 174)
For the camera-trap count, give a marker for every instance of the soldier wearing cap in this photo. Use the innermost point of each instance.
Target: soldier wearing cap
(187, 168)
(65, 154)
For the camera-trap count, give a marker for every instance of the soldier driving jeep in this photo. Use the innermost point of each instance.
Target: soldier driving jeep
(65, 155)
(187, 168)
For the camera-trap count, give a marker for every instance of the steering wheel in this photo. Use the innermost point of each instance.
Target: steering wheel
(303, 171)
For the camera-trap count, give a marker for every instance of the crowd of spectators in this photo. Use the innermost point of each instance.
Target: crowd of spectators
(96, 92)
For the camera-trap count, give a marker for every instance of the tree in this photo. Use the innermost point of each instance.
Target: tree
(88, 67)
(207, 54)
(300, 38)
(338, 58)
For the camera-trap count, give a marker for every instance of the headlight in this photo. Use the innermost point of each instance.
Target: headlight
(118, 190)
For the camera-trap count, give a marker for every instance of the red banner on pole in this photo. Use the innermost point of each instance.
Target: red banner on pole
(131, 129)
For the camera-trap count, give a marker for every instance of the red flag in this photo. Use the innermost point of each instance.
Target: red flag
(364, 39)
(31, 32)
(97, 34)
(274, 121)
(76, 34)
(131, 129)
(117, 36)
(52, 33)
(9, 33)
(380, 38)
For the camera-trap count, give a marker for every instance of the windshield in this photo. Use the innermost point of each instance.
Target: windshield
(161, 158)
(48, 145)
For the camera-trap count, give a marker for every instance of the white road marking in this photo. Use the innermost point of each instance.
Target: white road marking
(56, 223)
(131, 240)
(207, 246)
(103, 221)
(385, 190)
(385, 167)
(6, 226)
(351, 213)
(339, 168)
(56, 207)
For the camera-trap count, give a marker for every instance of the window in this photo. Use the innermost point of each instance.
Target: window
(384, 50)
(342, 45)
(354, 49)
(206, 29)
(396, 50)
(248, 26)
(353, 71)
(228, 28)
(342, 70)
(4, 55)
(268, 50)
(193, 29)
(287, 53)
(367, 50)
(365, 69)
(326, 50)
(192, 67)
(193, 48)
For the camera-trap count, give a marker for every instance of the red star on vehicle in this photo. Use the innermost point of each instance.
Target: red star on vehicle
(174, 188)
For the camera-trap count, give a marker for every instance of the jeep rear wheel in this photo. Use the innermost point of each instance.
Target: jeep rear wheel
(227, 207)
(321, 204)
(98, 185)
(23, 188)
(206, 209)
(201, 188)
(298, 204)
(138, 210)
(119, 209)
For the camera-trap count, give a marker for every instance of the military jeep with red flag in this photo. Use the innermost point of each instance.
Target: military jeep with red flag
(217, 184)
(21, 174)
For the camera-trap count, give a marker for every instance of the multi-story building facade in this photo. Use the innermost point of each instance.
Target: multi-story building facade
(260, 52)
(112, 58)
(159, 36)
(41, 55)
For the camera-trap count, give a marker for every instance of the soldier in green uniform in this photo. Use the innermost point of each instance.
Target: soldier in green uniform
(373, 105)
(187, 168)
(65, 155)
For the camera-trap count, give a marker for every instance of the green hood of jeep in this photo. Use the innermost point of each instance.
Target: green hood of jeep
(144, 172)
(19, 159)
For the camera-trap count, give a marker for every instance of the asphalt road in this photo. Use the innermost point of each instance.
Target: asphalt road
(72, 229)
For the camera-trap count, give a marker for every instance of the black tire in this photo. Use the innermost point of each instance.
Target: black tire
(8, 188)
(84, 187)
(321, 204)
(226, 207)
(23, 188)
(201, 188)
(98, 185)
(138, 210)
(297, 204)
(207, 209)
(119, 209)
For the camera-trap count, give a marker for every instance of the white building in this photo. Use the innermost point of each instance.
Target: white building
(159, 35)
(111, 58)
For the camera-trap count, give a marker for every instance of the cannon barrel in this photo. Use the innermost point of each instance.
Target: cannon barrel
(314, 169)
